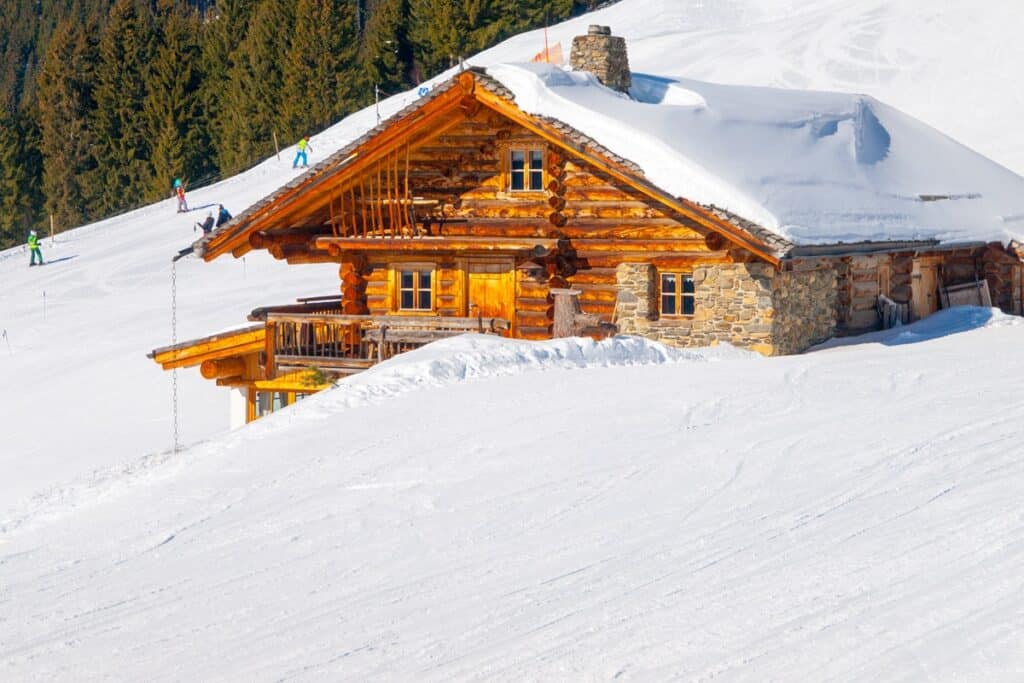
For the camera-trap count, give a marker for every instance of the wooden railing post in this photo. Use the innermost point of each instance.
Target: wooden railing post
(271, 343)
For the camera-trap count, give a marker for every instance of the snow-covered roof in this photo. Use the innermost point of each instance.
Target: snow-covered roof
(811, 167)
(788, 167)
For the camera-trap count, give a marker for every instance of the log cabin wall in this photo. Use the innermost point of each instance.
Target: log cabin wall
(464, 173)
(899, 275)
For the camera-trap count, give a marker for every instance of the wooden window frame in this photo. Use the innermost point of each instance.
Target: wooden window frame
(527, 150)
(395, 278)
(679, 295)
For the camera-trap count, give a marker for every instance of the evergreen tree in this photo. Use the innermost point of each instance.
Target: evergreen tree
(19, 160)
(387, 52)
(65, 96)
(439, 29)
(321, 70)
(252, 105)
(123, 149)
(222, 35)
(173, 109)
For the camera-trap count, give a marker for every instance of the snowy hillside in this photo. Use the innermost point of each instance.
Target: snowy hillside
(850, 514)
(514, 511)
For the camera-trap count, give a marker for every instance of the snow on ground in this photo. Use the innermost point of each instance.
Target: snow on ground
(852, 513)
(849, 514)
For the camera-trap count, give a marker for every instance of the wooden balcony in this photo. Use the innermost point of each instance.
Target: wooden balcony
(310, 334)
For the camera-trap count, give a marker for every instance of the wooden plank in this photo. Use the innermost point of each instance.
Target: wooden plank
(540, 244)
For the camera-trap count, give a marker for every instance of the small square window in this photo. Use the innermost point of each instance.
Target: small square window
(526, 170)
(678, 296)
(415, 290)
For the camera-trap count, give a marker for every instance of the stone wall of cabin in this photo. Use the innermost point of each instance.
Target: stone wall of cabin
(751, 305)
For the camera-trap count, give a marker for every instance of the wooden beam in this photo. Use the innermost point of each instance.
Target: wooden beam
(225, 344)
(539, 245)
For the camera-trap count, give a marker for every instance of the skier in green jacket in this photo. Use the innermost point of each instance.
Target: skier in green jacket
(303, 147)
(33, 245)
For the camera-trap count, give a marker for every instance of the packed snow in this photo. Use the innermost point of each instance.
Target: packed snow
(851, 514)
(494, 509)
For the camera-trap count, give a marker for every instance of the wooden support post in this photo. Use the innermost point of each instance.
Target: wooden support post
(271, 343)
(362, 205)
(410, 216)
(330, 209)
(352, 204)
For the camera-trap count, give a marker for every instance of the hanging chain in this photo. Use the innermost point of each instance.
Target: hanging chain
(174, 342)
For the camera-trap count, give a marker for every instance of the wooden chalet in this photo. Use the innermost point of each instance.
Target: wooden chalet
(462, 213)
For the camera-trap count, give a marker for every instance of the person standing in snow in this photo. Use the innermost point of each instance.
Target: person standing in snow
(223, 215)
(179, 191)
(33, 246)
(301, 154)
(207, 225)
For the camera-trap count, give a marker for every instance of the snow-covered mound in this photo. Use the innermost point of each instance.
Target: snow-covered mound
(943, 323)
(846, 515)
(813, 167)
(476, 356)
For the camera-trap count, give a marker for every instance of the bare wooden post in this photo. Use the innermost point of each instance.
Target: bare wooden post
(51, 229)
(276, 147)
(567, 306)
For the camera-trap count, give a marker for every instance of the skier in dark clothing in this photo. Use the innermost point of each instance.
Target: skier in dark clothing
(223, 216)
(206, 225)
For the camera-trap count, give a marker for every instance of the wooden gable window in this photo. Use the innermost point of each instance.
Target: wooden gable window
(415, 288)
(526, 170)
(677, 294)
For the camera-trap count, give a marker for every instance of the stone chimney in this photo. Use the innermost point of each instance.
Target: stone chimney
(603, 55)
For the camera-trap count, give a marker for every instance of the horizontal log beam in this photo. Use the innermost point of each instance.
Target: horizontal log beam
(540, 246)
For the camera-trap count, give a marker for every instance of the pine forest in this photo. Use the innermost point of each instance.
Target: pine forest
(106, 102)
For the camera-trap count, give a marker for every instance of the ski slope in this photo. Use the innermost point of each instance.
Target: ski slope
(511, 511)
(537, 512)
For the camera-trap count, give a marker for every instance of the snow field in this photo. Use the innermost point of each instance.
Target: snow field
(848, 514)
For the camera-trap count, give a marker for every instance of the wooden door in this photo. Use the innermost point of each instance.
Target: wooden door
(490, 291)
(924, 286)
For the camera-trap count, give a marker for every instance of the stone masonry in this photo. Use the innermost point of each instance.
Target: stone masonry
(751, 305)
(603, 55)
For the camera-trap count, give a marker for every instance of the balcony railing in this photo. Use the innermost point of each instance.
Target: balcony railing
(350, 343)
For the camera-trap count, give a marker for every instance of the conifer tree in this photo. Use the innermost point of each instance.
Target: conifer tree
(18, 198)
(387, 52)
(65, 97)
(253, 102)
(123, 148)
(222, 34)
(439, 29)
(321, 72)
(173, 109)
